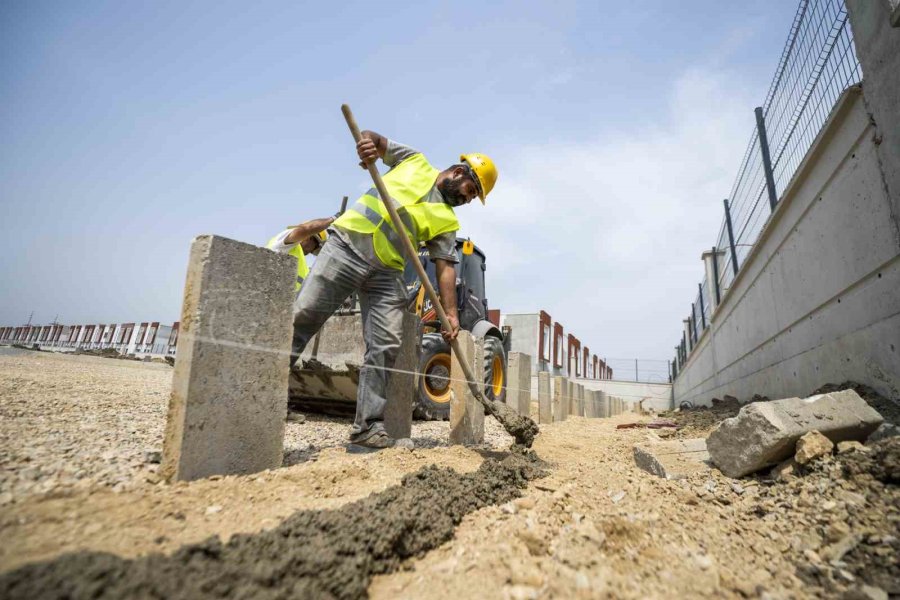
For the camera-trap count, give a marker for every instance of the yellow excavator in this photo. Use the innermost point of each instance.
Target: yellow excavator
(326, 376)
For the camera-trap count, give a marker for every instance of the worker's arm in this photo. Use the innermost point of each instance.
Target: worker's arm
(446, 278)
(370, 147)
(304, 230)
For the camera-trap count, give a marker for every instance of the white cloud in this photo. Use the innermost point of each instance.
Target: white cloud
(606, 235)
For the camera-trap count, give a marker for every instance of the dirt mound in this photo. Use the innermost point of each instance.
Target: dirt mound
(699, 421)
(104, 353)
(312, 554)
(889, 409)
(34, 347)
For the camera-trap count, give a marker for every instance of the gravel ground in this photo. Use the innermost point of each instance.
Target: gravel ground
(596, 526)
(74, 422)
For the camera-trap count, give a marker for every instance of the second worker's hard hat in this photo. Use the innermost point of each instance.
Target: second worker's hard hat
(485, 170)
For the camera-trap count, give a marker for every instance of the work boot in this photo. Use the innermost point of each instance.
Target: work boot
(372, 443)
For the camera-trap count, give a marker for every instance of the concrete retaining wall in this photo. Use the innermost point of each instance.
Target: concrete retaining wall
(816, 300)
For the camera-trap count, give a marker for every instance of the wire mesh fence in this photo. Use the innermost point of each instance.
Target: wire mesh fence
(640, 370)
(817, 64)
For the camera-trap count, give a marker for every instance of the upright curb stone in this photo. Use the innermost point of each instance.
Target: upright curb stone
(766, 433)
(604, 404)
(560, 404)
(545, 410)
(466, 413)
(401, 382)
(229, 388)
(573, 401)
(588, 403)
(519, 377)
(579, 399)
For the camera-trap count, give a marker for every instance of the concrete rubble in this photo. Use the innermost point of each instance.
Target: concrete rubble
(811, 446)
(765, 433)
(673, 460)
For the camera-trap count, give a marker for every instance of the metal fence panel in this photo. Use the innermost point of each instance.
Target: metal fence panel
(817, 64)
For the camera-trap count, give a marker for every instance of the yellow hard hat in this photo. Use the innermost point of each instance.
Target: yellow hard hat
(484, 169)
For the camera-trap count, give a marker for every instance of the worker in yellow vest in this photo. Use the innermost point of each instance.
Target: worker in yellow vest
(306, 238)
(364, 255)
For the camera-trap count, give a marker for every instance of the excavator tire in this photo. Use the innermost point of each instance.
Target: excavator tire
(433, 390)
(494, 369)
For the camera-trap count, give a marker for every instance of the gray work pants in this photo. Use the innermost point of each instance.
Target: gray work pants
(338, 272)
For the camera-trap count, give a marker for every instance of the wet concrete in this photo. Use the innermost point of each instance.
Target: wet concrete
(312, 554)
(520, 427)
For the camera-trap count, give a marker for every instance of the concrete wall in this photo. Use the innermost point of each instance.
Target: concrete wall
(655, 396)
(525, 336)
(816, 300)
(877, 44)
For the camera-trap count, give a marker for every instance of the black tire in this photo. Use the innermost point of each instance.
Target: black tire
(433, 388)
(494, 356)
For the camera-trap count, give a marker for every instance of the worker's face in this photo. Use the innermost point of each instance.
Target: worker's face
(459, 188)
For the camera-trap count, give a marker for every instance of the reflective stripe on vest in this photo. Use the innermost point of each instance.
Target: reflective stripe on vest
(409, 184)
(296, 252)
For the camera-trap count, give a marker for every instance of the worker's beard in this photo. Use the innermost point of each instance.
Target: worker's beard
(450, 189)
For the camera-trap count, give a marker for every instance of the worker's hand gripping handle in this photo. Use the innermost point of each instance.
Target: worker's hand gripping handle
(411, 254)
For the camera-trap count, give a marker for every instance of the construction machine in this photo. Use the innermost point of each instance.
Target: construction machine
(326, 376)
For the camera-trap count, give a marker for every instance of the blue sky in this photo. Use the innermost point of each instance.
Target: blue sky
(129, 127)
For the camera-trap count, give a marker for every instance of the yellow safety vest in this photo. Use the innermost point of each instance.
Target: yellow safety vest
(296, 251)
(408, 183)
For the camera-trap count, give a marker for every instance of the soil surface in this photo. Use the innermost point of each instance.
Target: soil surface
(594, 526)
(312, 554)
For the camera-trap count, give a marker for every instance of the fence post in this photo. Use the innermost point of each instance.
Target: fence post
(715, 266)
(734, 260)
(767, 160)
(693, 319)
(635, 370)
(702, 316)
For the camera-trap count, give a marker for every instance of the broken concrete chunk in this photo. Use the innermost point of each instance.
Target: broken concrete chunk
(786, 470)
(811, 446)
(673, 460)
(851, 446)
(765, 433)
